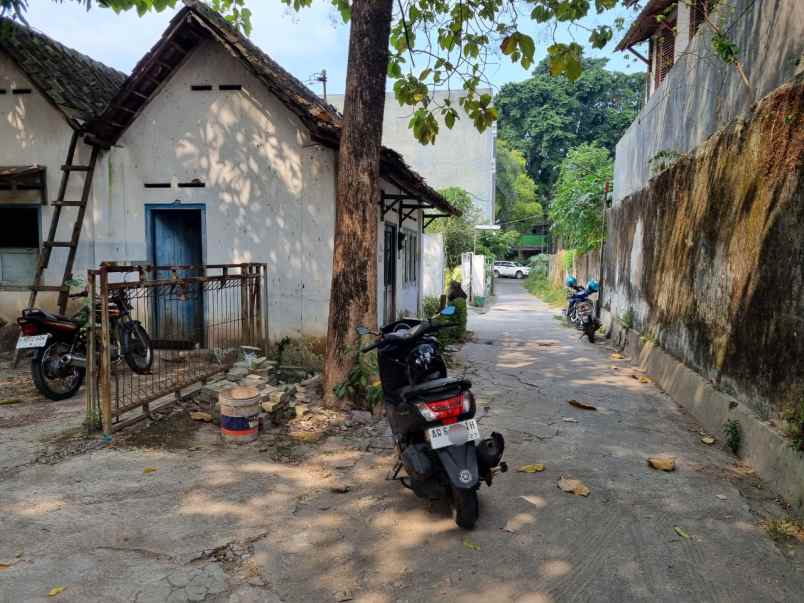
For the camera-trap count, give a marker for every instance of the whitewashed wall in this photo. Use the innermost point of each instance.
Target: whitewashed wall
(433, 264)
(269, 194)
(32, 131)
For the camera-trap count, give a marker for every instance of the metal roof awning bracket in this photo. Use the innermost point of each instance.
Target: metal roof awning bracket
(24, 178)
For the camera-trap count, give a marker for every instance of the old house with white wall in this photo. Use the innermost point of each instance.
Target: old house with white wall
(214, 154)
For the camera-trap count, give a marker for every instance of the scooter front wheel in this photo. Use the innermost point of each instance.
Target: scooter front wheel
(466, 507)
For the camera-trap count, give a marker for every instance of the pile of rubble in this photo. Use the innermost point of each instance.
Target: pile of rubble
(294, 408)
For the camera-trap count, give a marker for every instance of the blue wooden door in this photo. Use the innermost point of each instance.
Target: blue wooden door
(176, 240)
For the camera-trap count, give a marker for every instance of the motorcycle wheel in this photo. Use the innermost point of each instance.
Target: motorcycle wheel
(138, 346)
(590, 332)
(466, 507)
(53, 384)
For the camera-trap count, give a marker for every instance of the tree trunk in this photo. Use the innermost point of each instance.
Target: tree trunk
(353, 297)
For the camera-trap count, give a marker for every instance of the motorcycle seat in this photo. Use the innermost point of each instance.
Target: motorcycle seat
(45, 315)
(436, 386)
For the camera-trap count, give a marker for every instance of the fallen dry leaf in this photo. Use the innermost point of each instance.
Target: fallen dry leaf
(470, 545)
(581, 405)
(517, 522)
(644, 380)
(55, 591)
(573, 486)
(534, 468)
(5, 566)
(199, 415)
(708, 440)
(148, 470)
(681, 533)
(662, 463)
(617, 356)
(536, 501)
(4, 402)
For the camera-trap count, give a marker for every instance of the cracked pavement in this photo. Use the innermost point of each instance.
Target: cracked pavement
(232, 524)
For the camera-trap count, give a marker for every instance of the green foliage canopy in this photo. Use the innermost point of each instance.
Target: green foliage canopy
(458, 231)
(516, 191)
(577, 206)
(460, 235)
(546, 116)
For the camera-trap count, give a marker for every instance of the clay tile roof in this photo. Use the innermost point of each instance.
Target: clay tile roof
(75, 84)
(645, 24)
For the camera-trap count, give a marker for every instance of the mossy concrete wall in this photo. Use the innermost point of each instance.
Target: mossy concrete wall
(710, 256)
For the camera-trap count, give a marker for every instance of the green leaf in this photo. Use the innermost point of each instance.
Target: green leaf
(541, 14)
(600, 36)
(565, 59)
(508, 44)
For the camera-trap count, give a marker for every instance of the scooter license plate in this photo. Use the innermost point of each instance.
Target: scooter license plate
(453, 435)
(31, 341)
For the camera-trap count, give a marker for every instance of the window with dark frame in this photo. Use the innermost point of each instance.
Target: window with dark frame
(665, 52)
(19, 243)
(410, 257)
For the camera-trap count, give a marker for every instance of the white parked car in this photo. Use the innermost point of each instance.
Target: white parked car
(510, 269)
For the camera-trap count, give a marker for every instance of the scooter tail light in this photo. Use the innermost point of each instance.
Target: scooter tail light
(468, 398)
(28, 329)
(444, 410)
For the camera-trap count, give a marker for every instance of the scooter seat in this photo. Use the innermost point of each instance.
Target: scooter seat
(435, 387)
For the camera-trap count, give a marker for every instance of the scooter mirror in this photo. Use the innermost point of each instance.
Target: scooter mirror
(448, 311)
(363, 331)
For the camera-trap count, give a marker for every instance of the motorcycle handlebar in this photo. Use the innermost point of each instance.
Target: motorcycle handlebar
(431, 326)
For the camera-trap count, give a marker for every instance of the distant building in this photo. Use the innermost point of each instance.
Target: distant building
(461, 157)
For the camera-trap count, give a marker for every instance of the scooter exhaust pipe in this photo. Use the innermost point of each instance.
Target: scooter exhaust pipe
(76, 360)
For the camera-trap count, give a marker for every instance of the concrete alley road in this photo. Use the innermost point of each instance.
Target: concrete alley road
(642, 534)
(174, 514)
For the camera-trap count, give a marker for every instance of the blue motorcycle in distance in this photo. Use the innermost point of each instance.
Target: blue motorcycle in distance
(580, 310)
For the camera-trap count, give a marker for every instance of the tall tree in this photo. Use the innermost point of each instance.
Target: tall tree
(517, 204)
(545, 116)
(458, 231)
(576, 209)
(353, 298)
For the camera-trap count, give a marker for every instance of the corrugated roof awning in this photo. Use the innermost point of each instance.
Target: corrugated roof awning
(645, 24)
(24, 178)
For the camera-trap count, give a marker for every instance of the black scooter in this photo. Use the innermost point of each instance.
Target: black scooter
(432, 417)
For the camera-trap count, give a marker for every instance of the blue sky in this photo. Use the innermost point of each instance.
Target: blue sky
(303, 43)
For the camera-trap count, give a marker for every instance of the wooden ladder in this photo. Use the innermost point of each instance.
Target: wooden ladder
(72, 245)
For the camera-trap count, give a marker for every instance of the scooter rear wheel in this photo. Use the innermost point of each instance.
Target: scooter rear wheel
(466, 507)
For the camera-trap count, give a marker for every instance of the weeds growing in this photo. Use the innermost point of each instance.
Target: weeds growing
(734, 434)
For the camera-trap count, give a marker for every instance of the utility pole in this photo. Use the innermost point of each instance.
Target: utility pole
(320, 77)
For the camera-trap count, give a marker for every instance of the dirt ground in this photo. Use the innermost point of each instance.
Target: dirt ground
(169, 512)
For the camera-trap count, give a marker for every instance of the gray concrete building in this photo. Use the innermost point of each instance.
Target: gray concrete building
(460, 157)
(691, 92)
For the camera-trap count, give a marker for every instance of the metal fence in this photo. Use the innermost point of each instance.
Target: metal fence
(160, 329)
